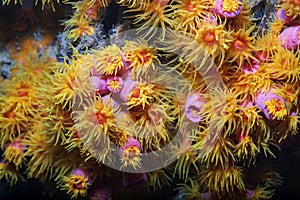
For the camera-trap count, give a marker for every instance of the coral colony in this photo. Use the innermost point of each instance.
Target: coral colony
(81, 106)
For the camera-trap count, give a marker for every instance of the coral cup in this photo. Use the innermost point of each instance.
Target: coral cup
(290, 37)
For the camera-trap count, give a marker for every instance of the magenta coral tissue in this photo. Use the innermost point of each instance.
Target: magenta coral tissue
(290, 37)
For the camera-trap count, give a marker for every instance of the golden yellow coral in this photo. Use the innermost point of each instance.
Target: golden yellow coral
(131, 156)
(248, 84)
(259, 193)
(159, 178)
(243, 20)
(241, 48)
(108, 61)
(186, 159)
(9, 173)
(71, 84)
(83, 28)
(267, 44)
(187, 14)
(225, 110)
(213, 38)
(191, 191)
(246, 150)
(150, 16)
(291, 7)
(81, 22)
(139, 4)
(95, 122)
(284, 66)
(225, 182)
(77, 184)
(12, 121)
(141, 95)
(14, 152)
(214, 152)
(141, 56)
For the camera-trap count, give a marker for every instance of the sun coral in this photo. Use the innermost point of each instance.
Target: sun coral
(272, 105)
(188, 13)
(108, 61)
(141, 56)
(226, 182)
(150, 16)
(228, 8)
(291, 7)
(241, 48)
(78, 183)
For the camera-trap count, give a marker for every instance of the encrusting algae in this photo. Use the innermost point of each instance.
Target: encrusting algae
(81, 98)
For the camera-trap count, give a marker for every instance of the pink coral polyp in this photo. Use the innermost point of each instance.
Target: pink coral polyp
(193, 107)
(228, 8)
(290, 37)
(272, 105)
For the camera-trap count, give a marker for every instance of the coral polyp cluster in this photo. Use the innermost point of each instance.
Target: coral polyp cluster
(194, 98)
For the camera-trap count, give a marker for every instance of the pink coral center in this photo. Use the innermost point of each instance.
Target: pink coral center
(190, 7)
(239, 44)
(100, 118)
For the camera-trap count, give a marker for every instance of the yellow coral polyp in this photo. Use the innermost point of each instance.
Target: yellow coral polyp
(187, 14)
(151, 15)
(250, 117)
(76, 186)
(225, 182)
(131, 157)
(284, 65)
(246, 149)
(141, 56)
(14, 155)
(141, 95)
(190, 191)
(292, 8)
(242, 48)
(114, 84)
(231, 5)
(108, 60)
(213, 39)
(276, 108)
